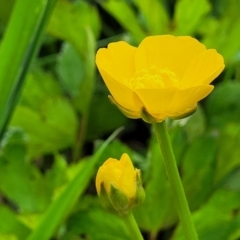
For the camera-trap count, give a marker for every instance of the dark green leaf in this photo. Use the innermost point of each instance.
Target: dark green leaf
(197, 170)
(70, 69)
(223, 104)
(128, 20)
(156, 17)
(107, 115)
(218, 219)
(188, 15)
(98, 224)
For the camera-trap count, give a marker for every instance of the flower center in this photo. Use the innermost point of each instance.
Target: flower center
(153, 77)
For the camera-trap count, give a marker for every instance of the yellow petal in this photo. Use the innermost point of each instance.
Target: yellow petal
(108, 173)
(117, 60)
(170, 102)
(99, 179)
(203, 69)
(127, 180)
(166, 51)
(157, 102)
(187, 98)
(123, 95)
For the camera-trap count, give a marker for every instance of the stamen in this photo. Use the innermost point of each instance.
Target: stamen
(153, 77)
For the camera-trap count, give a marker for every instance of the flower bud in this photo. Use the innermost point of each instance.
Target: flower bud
(119, 185)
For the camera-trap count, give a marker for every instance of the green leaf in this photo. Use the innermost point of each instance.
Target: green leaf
(179, 142)
(233, 180)
(6, 9)
(39, 86)
(56, 176)
(196, 124)
(216, 219)
(228, 149)
(97, 224)
(76, 74)
(79, 24)
(225, 32)
(156, 17)
(107, 115)
(20, 181)
(198, 170)
(70, 70)
(83, 100)
(11, 225)
(188, 15)
(71, 22)
(222, 112)
(128, 20)
(45, 115)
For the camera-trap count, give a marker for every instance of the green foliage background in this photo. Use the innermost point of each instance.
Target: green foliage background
(55, 117)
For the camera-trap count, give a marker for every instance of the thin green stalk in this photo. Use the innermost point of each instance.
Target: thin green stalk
(175, 181)
(80, 138)
(132, 227)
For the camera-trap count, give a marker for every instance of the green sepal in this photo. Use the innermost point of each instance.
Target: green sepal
(140, 192)
(119, 200)
(147, 117)
(128, 113)
(104, 199)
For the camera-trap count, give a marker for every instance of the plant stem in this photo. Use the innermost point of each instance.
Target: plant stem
(132, 226)
(175, 181)
(80, 138)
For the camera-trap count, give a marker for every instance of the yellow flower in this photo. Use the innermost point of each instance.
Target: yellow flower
(164, 77)
(119, 183)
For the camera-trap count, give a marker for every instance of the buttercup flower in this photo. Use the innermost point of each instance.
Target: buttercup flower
(165, 76)
(119, 184)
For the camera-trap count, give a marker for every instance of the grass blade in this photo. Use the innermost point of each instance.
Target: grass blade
(20, 43)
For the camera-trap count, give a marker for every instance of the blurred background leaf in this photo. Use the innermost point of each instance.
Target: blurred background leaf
(53, 122)
(189, 15)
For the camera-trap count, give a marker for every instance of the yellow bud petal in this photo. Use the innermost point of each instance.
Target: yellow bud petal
(120, 182)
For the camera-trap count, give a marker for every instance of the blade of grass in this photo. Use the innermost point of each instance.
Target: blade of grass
(63, 204)
(20, 43)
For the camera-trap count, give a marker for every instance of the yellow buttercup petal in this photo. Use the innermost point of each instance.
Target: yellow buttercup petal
(117, 60)
(166, 51)
(119, 173)
(203, 69)
(148, 55)
(187, 98)
(104, 175)
(123, 95)
(157, 101)
(170, 102)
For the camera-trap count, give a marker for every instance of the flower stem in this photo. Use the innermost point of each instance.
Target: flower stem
(132, 226)
(175, 181)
